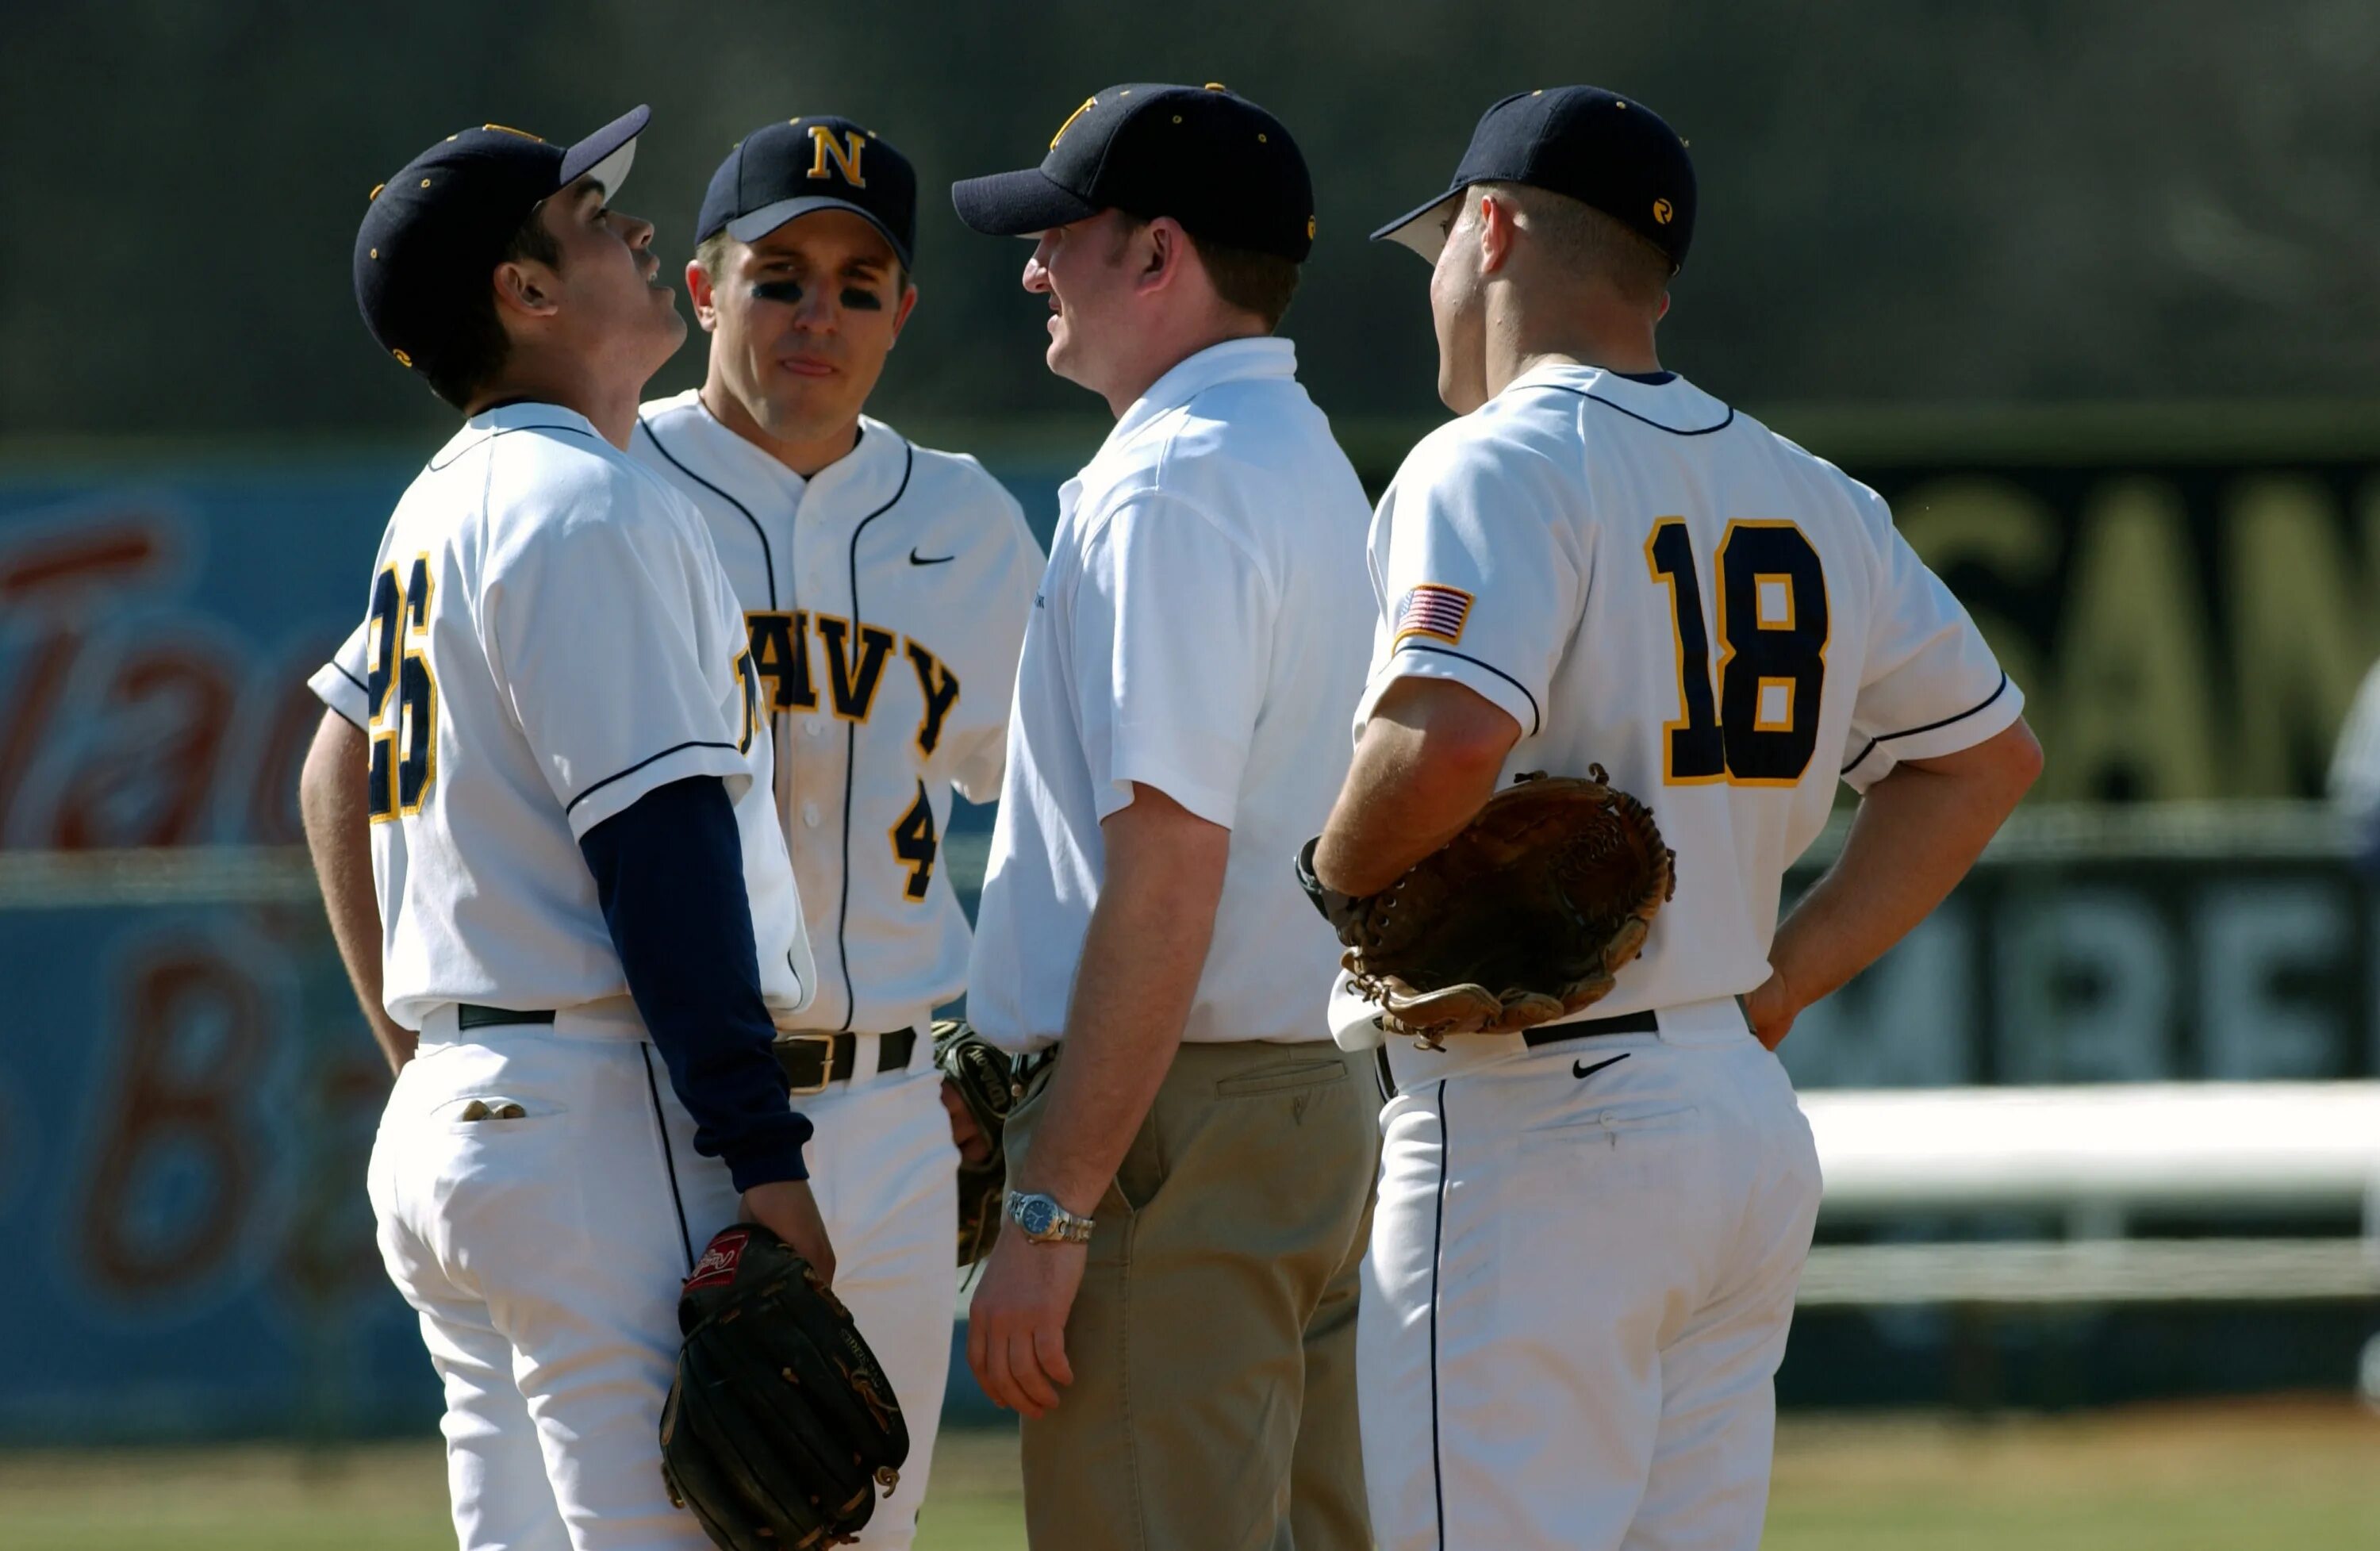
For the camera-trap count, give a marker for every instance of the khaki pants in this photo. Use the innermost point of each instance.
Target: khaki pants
(1213, 1343)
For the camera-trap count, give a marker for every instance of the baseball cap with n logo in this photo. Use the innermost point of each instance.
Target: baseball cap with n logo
(789, 169)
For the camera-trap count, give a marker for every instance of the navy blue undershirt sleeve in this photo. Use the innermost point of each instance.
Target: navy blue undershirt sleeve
(669, 871)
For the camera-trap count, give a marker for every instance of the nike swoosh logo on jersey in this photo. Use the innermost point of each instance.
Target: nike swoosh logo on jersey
(1580, 1068)
(917, 559)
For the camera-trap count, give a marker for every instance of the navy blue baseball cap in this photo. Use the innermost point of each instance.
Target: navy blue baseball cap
(435, 232)
(781, 171)
(1594, 146)
(1207, 156)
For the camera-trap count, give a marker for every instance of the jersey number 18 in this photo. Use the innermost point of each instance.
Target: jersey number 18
(405, 734)
(1762, 727)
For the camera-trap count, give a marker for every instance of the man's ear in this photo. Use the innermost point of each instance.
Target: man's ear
(1498, 230)
(1168, 251)
(1665, 307)
(526, 286)
(706, 304)
(901, 313)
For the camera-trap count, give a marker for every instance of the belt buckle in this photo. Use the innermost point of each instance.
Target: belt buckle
(825, 1042)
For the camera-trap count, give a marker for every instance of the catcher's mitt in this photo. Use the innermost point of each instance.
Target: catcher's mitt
(1522, 918)
(980, 1072)
(781, 1425)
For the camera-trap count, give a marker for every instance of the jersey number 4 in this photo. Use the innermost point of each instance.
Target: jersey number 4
(404, 725)
(1762, 726)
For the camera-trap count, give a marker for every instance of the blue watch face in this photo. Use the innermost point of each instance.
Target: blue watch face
(1035, 1213)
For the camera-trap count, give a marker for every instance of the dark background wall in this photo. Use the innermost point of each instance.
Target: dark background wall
(1945, 203)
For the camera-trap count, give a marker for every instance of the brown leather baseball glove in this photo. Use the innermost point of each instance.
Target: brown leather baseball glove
(1523, 918)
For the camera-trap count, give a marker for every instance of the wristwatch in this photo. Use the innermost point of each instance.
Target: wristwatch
(1046, 1222)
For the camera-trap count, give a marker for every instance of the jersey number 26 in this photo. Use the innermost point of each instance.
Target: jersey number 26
(404, 734)
(1762, 727)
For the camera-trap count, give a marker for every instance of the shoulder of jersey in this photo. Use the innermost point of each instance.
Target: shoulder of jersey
(1508, 430)
(572, 478)
(955, 480)
(1823, 470)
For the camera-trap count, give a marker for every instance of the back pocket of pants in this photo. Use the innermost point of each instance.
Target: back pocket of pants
(1612, 1122)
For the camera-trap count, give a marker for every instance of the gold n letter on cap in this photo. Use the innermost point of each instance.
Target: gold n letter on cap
(843, 150)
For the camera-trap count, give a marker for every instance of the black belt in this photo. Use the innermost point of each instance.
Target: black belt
(1626, 1023)
(471, 1015)
(812, 1061)
(1544, 1034)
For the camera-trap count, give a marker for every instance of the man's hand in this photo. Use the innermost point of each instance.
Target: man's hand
(1771, 1009)
(1016, 1326)
(966, 1135)
(788, 1208)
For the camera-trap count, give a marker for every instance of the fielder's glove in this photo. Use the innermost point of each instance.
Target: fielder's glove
(981, 1073)
(782, 1426)
(1523, 918)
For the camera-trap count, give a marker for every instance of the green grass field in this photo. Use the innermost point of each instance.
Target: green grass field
(2304, 1475)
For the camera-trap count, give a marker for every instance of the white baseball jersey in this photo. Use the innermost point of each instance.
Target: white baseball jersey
(885, 601)
(549, 637)
(1202, 617)
(1646, 579)
(886, 598)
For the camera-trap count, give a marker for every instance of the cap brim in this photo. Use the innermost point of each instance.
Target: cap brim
(768, 218)
(606, 154)
(1421, 228)
(1017, 204)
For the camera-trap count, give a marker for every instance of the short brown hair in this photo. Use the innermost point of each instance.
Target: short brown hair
(1587, 241)
(1247, 281)
(476, 351)
(1252, 282)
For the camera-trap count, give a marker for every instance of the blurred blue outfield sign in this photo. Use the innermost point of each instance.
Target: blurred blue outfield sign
(185, 1092)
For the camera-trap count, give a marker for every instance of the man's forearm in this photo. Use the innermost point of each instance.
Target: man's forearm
(1142, 956)
(1916, 834)
(1425, 765)
(338, 833)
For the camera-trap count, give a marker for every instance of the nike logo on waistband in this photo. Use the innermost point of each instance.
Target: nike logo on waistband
(917, 559)
(1580, 1068)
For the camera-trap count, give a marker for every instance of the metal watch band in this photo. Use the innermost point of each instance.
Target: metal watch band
(1058, 1225)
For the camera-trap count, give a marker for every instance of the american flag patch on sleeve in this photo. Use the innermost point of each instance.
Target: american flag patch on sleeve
(1433, 610)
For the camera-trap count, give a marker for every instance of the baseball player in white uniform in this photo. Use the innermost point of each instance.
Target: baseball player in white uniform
(885, 588)
(587, 923)
(1589, 1235)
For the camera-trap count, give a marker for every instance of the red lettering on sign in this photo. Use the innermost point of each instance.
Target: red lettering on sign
(145, 776)
(195, 1041)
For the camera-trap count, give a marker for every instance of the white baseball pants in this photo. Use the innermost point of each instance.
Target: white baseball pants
(544, 1253)
(1582, 1271)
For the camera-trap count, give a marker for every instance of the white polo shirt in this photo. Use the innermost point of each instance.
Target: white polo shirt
(1202, 628)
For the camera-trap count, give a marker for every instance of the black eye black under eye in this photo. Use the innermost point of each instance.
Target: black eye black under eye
(865, 301)
(787, 291)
